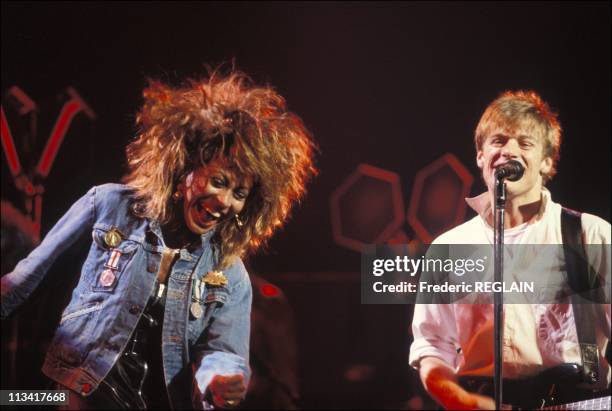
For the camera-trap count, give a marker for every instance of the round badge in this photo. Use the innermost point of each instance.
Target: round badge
(196, 310)
(107, 278)
(112, 238)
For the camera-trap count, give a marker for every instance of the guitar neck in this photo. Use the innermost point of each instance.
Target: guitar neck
(602, 403)
(558, 384)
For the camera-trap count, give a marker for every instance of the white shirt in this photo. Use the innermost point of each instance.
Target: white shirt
(536, 336)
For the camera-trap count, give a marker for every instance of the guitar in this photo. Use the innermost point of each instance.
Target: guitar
(554, 389)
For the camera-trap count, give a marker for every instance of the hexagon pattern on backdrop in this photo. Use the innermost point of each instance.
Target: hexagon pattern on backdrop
(367, 208)
(437, 202)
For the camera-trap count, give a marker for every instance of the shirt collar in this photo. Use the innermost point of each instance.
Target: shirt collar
(482, 204)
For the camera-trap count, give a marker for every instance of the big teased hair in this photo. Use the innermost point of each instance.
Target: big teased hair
(222, 117)
(523, 109)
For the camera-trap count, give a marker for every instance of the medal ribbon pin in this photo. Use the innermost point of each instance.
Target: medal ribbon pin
(211, 279)
(196, 305)
(107, 278)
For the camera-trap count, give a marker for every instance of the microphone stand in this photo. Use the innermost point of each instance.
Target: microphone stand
(498, 296)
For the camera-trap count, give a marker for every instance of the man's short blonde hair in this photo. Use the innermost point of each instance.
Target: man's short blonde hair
(524, 110)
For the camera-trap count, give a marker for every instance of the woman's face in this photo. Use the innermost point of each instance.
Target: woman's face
(212, 193)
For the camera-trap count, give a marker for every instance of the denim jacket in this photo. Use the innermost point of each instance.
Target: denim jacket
(96, 325)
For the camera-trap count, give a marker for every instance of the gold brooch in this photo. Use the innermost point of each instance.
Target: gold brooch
(215, 279)
(113, 237)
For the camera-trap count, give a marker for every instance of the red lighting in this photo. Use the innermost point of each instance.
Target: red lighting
(367, 208)
(437, 203)
(9, 147)
(69, 110)
(269, 290)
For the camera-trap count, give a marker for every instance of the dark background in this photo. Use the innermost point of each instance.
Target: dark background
(394, 85)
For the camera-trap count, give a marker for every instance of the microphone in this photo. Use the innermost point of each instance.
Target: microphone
(512, 171)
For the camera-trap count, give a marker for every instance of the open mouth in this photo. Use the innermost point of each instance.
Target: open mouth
(497, 165)
(205, 215)
(501, 163)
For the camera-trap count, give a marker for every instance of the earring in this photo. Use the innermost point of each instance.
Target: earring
(177, 196)
(239, 222)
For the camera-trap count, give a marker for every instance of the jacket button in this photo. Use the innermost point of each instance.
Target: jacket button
(134, 309)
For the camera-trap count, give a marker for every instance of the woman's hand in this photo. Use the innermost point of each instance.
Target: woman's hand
(227, 390)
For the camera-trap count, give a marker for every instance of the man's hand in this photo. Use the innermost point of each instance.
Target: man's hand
(440, 382)
(466, 400)
(227, 390)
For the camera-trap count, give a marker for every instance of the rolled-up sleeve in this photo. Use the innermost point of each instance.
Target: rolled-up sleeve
(435, 334)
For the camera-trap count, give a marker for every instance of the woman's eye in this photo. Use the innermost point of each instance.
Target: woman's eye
(240, 195)
(217, 182)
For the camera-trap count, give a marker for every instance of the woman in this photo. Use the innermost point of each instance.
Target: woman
(160, 315)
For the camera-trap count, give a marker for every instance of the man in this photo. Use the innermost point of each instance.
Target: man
(455, 340)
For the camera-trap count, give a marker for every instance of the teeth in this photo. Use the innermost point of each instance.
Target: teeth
(201, 207)
(213, 215)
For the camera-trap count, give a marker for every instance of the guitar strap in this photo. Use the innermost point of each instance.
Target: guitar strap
(584, 283)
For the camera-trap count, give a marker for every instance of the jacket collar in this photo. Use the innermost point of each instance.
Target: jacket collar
(205, 238)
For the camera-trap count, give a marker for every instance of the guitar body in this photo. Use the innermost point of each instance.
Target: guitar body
(555, 387)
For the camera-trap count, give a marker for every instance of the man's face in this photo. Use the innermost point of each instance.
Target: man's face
(501, 146)
(211, 194)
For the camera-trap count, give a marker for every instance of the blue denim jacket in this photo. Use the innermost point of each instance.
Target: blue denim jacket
(97, 323)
